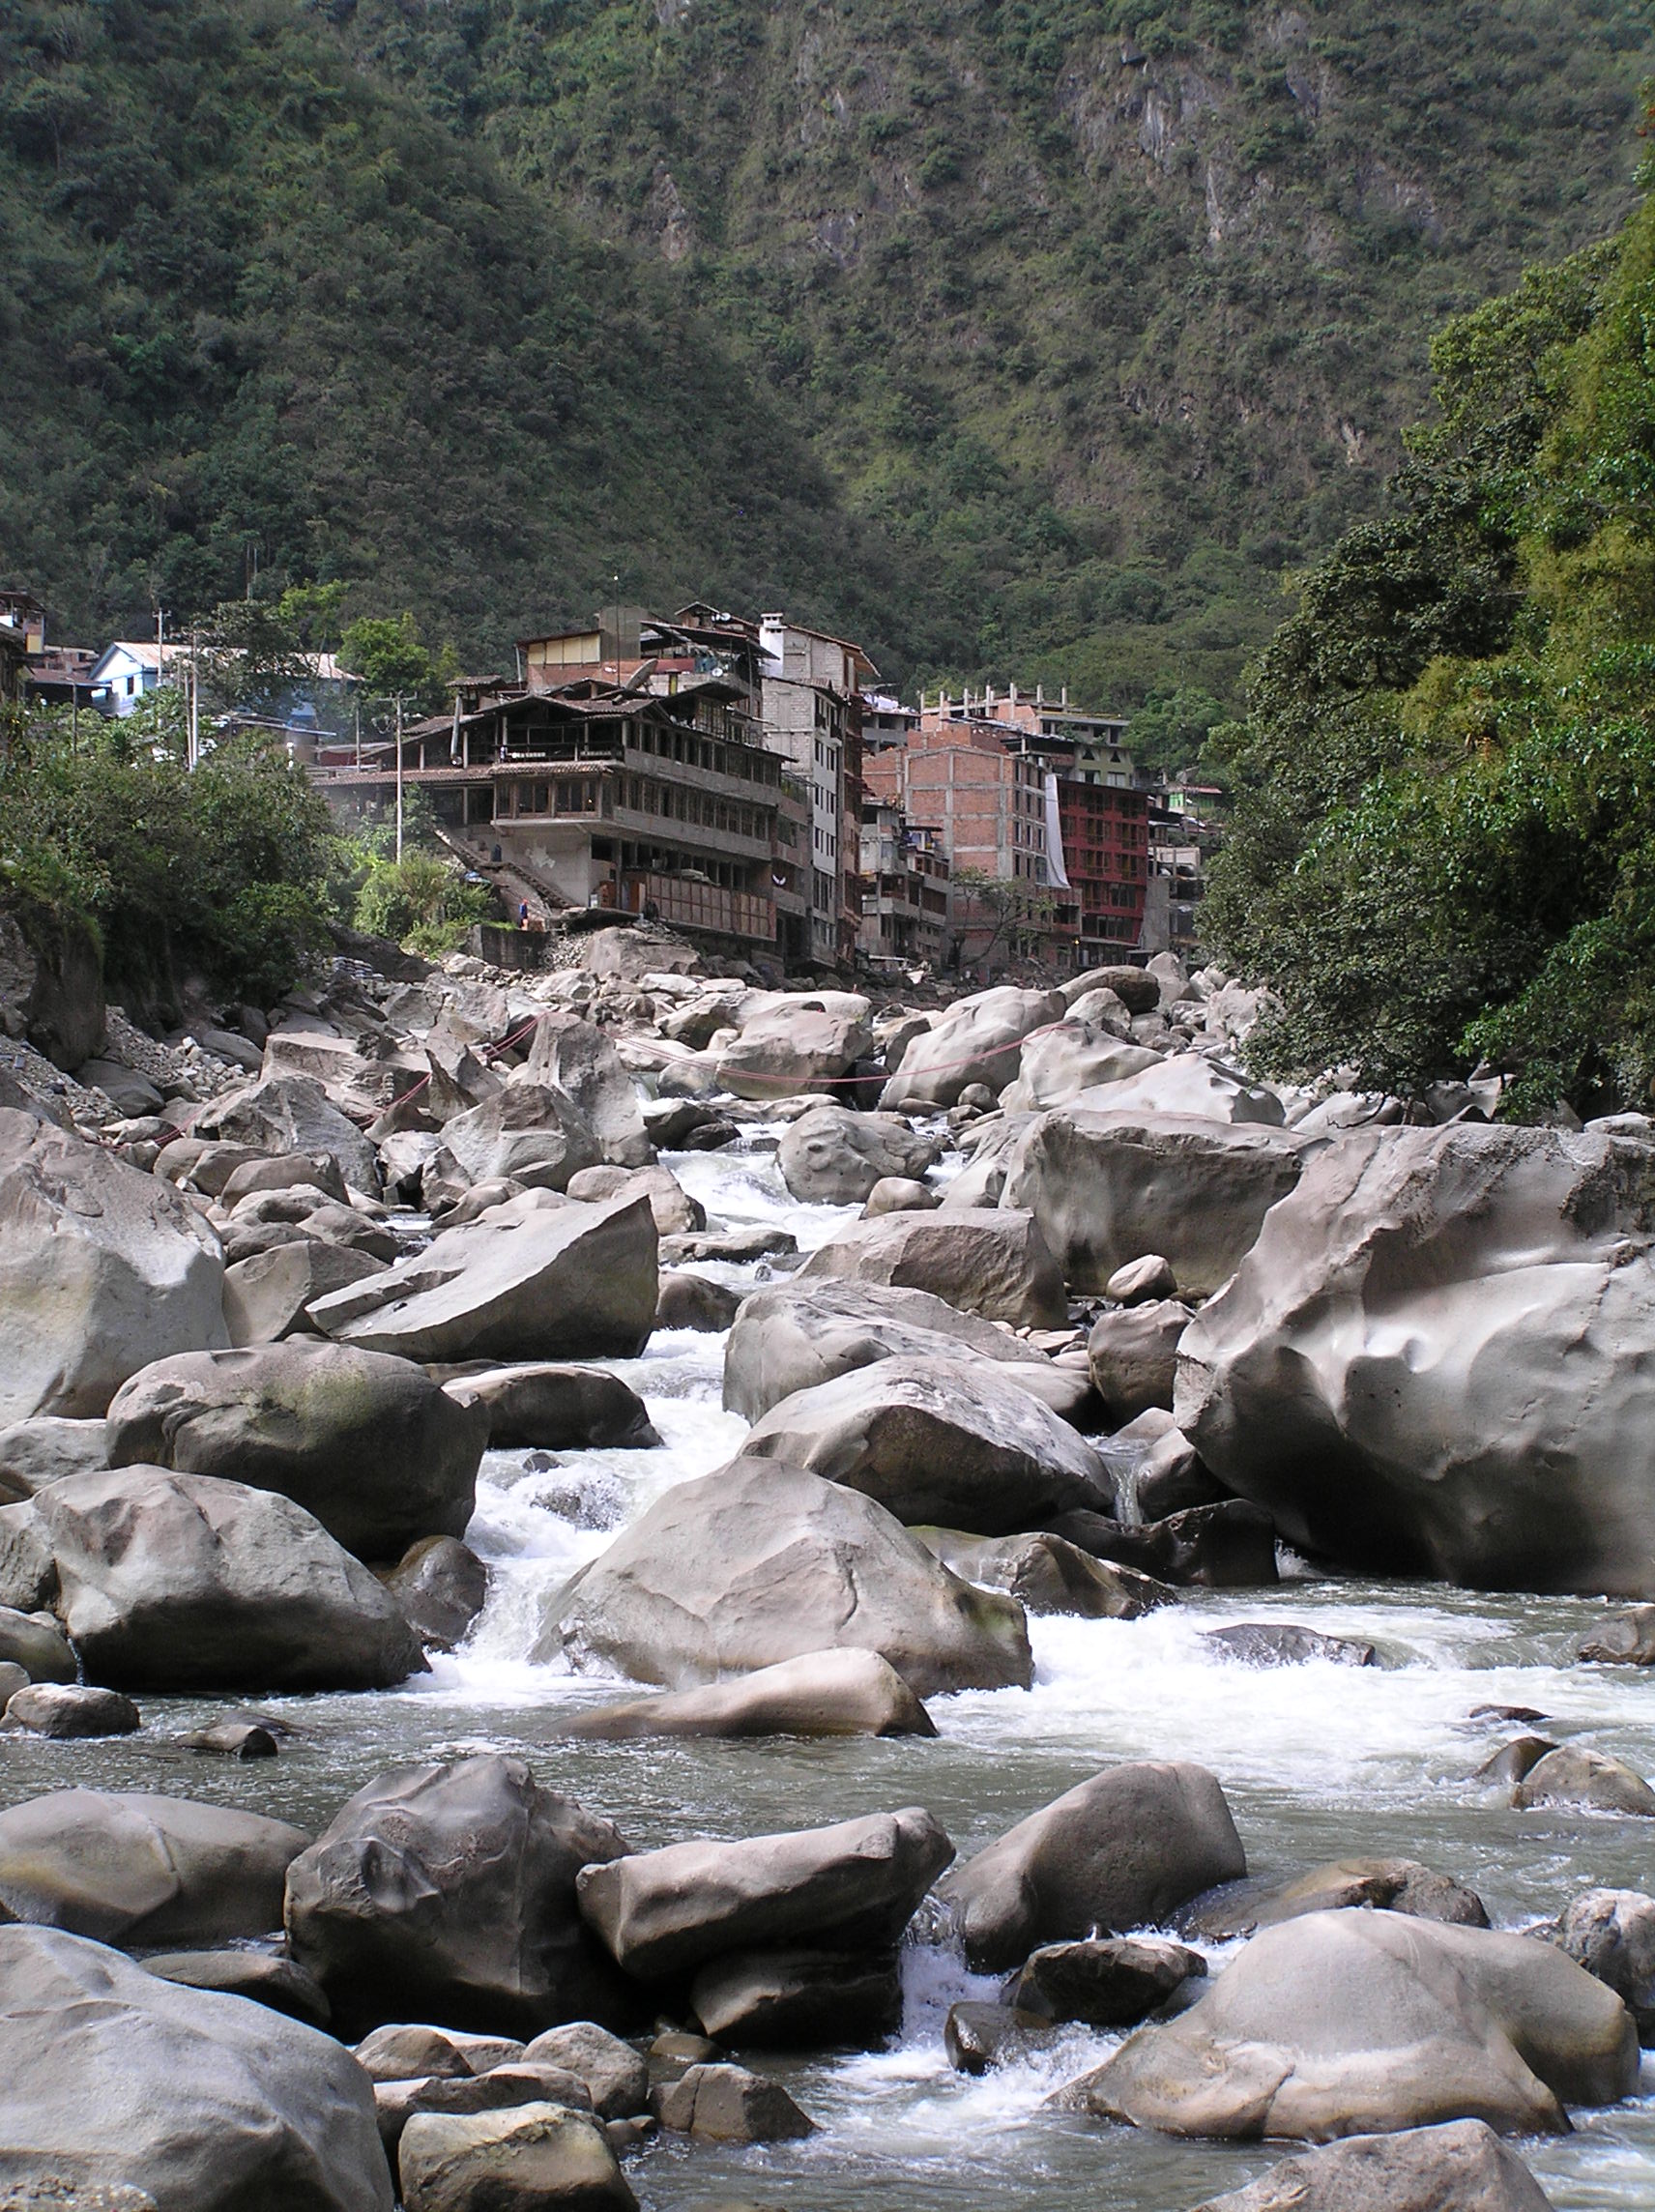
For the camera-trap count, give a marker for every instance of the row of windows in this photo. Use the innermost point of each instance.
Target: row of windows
(825, 842)
(644, 796)
(701, 752)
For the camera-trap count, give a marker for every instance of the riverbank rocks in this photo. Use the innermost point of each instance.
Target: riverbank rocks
(1074, 1056)
(938, 1441)
(1192, 1087)
(290, 1113)
(36, 1452)
(799, 2000)
(676, 1213)
(976, 1040)
(1047, 1574)
(65, 1711)
(1350, 2022)
(447, 1893)
(575, 1058)
(1574, 1775)
(35, 1642)
(115, 2077)
(251, 1974)
(1459, 2167)
(612, 2073)
(1392, 1886)
(376, 1450)
(548, 1407)
(1103, 1981)
(266, 1296)
(761, 1562)
(520, 2160)
(986, 1261)
(832, 1157)
(851, 1887)
(1122, 1850)
(1435, 1360)
(823, 1693)
(726, 2103)
(570, 1282)
(181, 1581)
(102, 1268)
(530, 1131)
(789, 1043)
(1105, 1188)
(440, 1586)
(795, 1335)
(1627, 1639)
(139, 1870)
(1612, 1934)
(1133, 1355)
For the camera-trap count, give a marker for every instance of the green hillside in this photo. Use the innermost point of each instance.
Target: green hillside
(1031, 337)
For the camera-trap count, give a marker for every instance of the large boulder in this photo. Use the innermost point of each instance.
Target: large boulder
(530, 1131)
(102, 1268)
(447, 1893)
(44, 1450)
(143, 1870)
(1122, 1850)
(1356, 2022)
(1133, 1355)
(1191, 1085)
(761, 1562)
(363, 1077)
(1612, 1934)
(1459, 2167)
(376, 1450)
(823, 1693)
(573, 1057)
(574, 1282)
(795, 1335)
(291, 1113)
(116, 2078)
(526, 2159)
(789, 1043)
(1438, 1359)
(987, 1260)
(266, 1294)
(978, 1040)
(182, 1582)
(549, 1406)
(832, 1157)
(1060, 1061)
(939, 1441)
(1106, 1189)
(851, 1887)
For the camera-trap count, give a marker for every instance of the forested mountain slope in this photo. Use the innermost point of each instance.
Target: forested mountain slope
(1033, 337)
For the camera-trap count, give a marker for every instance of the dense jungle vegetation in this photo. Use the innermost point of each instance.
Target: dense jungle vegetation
(1016, 336)
(1443, 847)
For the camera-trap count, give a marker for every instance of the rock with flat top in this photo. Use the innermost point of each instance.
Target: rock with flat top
(1575, 1775)
(1102, 1981)
(522, 2160)
(989, 1260)
(799, 2000)
(33, 1453)
(252, 1974)
(977, 1041)
(289, 1113)
(266, 1296)
(1459, 2167)
(727, 2104)
(547, 1406)
(820, 1694)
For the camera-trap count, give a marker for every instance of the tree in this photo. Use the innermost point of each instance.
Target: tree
(390, 657)
(1007, 907)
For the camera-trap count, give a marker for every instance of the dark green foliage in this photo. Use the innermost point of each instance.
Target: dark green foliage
(1443, 844)
(1017, 337)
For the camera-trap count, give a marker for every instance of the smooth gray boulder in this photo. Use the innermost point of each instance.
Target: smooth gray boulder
(1575, 1775)
(290, 1113)
(843, 1692)
(1047, 1574)
(1612, 1934)
(65, 1711)
(689, 1300)
(1122, 1850)
(182, 1582)
(1193, 1085)
(574, 1056)
(790, 1043)
(761, 1562)
(676, 1213)
(447, 1893)
(1438, 1359)
(614, 2075)
(410, 2051)
(799, 2000)
(574, 1282)
(266, 1296)
(46, 1448)
(977, 1041)
(938, 1441)
(102, 1268)
(35, 1642)
(1133, 1354)
(143, 1870)
(851, 1887)
(1137, 991)
(1459, 2167)
(901, 1194)
(116, 2078)
(376, 1450)
(1354, 2022)
(1392, 1886)
(986, 1261)
(530, 1131)
(1626, 1640)
(727, 2104)
(440, 1586)
(1107, 1187)
(255, 1976)
(1060, 1061)
(1102, 1981)
(550, 1405)
(832, 1157)
(791, 1336)
(523, 2159)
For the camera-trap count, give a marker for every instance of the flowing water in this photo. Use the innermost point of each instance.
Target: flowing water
(1319, 1762)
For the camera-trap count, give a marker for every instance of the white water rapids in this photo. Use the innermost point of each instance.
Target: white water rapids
(1319, 1762)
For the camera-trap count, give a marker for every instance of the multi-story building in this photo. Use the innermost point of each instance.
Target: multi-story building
(1184, 832)
(812, 715)
(904, 887)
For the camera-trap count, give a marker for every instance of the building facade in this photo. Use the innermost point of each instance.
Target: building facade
(905, 887)
(811, 706)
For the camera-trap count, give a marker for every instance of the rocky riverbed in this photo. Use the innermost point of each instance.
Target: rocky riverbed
(465, 1645)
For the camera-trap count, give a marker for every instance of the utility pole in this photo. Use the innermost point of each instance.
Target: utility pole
(193, 754)
(359, 733)
(399, 779)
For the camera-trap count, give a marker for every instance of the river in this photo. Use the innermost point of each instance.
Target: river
(1319, 1762)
